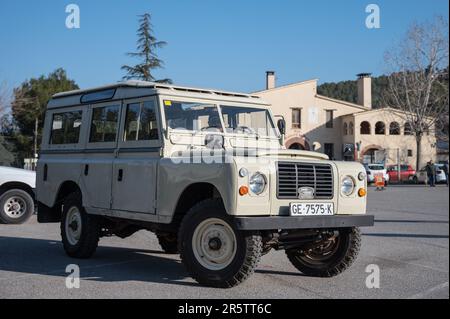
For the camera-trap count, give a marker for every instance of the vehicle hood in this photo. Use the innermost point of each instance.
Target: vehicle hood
(10, 174)
(291, 154)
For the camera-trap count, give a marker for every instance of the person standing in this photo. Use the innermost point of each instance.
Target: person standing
(431, 172)
(445, 169)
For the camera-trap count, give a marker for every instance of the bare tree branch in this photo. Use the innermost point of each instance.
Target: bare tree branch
(418, 80)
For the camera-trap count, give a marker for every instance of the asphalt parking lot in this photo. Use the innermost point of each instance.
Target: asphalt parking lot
(409, 244)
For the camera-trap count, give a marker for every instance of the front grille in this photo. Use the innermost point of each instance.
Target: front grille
(292, 176)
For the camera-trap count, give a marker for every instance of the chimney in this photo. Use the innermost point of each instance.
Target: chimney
(365, 90)
(270, 80)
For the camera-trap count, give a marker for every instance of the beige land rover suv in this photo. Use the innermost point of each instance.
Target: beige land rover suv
(202, 169)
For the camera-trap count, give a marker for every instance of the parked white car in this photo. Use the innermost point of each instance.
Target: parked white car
(16, 195)
(375, 169)
(421, 176)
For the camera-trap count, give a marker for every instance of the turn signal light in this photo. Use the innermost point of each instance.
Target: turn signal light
(362, 192)
(243, 190)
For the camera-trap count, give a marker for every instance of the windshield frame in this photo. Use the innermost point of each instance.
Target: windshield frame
(217, 104)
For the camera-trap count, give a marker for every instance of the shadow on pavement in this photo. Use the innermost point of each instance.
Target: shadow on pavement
(47, 257)
(411, 221)
(405, 235)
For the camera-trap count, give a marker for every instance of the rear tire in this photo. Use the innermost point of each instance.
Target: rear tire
(332, 261)
(16, 206)
(80, 231)
(213, 250)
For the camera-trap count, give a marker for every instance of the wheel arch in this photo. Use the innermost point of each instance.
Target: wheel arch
(52, 214)
(17, 185)
(193, 194)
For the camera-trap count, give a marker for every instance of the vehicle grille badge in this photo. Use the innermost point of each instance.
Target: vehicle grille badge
(306, 193)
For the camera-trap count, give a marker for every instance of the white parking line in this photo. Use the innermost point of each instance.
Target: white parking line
(428, 292)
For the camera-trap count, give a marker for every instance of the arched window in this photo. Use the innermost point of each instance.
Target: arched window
(380, 128)
(365, 128)
(351, 128)
(394, 128)
(345, 129)
(408, 129)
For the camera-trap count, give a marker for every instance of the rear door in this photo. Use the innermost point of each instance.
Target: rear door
(97, 167)
(137, 159)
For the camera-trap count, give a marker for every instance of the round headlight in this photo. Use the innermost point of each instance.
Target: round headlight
(347, 186)
(362, 176)
(257, 183)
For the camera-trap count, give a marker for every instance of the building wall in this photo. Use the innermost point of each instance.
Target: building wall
(388, 142)
(313, 107)
(313, 129)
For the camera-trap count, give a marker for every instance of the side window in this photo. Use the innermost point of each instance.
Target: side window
(140, 122)
(104, 124)
(65, 128)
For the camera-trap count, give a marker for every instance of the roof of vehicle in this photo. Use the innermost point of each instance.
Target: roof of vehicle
(135, 89)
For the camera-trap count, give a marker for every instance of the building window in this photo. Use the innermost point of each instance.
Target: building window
(329, 119)
(365, 128)
(394, 128)
(380, 128)
(345, 129)
(351, 128)
(407, 129)
(296, 118)
(329, 150)
(410, 153)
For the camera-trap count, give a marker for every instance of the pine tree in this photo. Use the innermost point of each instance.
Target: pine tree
(147, 44)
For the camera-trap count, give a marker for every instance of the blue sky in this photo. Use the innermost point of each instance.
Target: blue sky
(225, 44)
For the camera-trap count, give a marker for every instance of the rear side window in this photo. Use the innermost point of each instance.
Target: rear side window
(140, 122)
(104, 124)
(66, 128)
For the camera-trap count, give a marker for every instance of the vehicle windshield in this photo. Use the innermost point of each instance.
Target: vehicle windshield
(194, 116)
(246, 120)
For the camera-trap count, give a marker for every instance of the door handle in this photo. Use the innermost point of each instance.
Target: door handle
(86, 170)
(120, 175)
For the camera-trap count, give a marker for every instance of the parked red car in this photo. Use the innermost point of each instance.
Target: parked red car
(406, 173)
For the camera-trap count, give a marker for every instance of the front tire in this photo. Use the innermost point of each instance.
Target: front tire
(329, 258)
(80, 231)
(16, 206)
(214, 251)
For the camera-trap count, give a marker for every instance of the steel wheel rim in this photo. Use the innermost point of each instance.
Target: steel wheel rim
(214, 244)
(15, 207)
(73, 225)
(323, 252)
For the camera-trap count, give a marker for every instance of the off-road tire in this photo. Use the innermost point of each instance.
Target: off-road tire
(24, 197)
(90, 230)
(249, 248)
(168, 243)
(346, 253)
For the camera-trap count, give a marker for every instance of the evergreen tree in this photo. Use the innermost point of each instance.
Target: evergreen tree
(147, 45)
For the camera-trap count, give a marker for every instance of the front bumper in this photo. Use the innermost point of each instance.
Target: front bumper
(303, 222)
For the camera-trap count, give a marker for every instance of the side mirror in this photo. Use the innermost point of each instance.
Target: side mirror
(281, 126)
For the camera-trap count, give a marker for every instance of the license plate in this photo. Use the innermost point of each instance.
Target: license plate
(311, 209)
